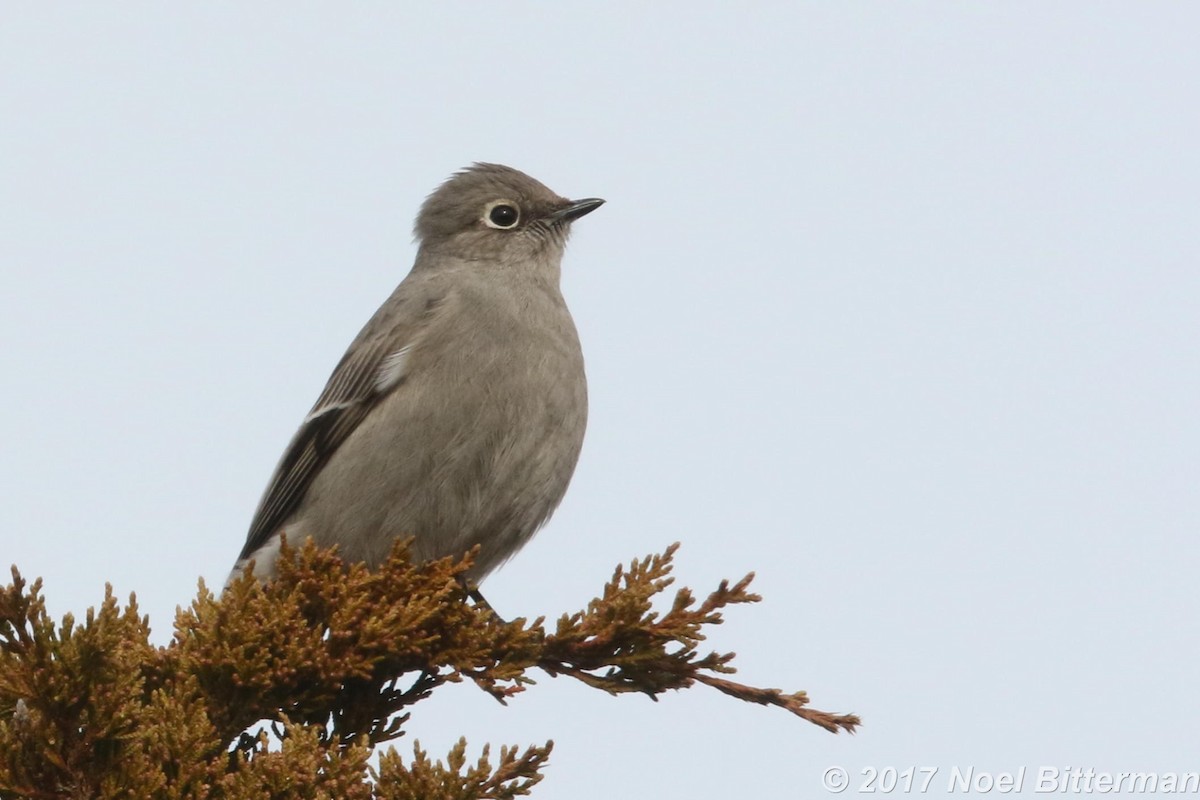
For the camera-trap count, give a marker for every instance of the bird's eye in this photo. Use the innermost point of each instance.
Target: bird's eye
(502, 214)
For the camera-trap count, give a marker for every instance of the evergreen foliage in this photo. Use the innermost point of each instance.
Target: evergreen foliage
(329, 658)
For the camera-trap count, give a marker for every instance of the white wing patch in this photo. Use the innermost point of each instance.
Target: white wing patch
(392, 370)
(319, 412)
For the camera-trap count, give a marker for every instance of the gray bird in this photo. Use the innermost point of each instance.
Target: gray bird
(457, 415)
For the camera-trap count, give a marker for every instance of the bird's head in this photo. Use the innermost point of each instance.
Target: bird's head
(489, 212)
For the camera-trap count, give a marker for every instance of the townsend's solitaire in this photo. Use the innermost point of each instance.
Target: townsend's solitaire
(457, 415)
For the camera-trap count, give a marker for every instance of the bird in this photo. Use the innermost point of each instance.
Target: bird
(456, 417)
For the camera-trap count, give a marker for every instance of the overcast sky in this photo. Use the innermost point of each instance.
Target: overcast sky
(895, 304)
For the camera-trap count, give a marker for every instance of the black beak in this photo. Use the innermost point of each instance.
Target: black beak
(576, 209)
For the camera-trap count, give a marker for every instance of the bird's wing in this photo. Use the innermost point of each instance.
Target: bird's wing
(375, 365)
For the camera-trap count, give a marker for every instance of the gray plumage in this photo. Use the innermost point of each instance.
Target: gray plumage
(457, 414)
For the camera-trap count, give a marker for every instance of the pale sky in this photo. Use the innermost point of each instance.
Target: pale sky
(895, 304)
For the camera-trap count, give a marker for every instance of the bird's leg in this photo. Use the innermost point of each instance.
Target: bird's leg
(478, 599)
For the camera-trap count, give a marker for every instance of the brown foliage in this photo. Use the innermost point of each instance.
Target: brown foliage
(330, 657)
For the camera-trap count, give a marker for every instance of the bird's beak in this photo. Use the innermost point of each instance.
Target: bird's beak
(576, 209)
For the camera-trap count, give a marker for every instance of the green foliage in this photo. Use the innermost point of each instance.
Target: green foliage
(329, 657)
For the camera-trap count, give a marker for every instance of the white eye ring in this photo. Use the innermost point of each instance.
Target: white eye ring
(503, 215)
